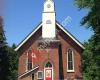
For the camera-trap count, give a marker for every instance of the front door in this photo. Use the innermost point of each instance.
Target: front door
(48, 71)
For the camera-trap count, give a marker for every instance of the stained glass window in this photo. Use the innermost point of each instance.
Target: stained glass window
(48, 64)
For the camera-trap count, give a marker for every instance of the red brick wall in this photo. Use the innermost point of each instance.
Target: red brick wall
(77, 59)
(52, 56)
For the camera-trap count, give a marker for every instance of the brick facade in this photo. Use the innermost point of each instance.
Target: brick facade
(57, 56)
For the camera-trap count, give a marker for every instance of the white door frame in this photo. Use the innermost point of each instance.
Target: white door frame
(49, 68)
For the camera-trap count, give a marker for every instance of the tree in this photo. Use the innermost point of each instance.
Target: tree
(8, 58)
(90, 67)
(4, 64)
(91, 55)
(13, 63)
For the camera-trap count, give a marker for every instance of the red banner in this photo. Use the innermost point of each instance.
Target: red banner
(33, 55)
(48, 74)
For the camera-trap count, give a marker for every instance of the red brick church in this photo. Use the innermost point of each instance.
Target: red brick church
(49, 52)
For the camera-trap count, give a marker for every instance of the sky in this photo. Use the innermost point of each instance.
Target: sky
(22, 16)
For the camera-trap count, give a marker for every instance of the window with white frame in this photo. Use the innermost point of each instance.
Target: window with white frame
(40, 75)
(70, 61)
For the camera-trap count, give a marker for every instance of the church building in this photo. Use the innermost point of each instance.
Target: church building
(50, 52)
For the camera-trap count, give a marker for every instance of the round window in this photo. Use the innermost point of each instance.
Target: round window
(48, 5)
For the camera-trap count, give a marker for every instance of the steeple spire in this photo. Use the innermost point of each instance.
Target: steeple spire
(48, 20)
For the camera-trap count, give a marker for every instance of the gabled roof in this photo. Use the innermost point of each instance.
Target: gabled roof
(38, 27)
(70, 35)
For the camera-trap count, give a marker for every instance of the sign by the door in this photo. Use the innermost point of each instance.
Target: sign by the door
(48, 74)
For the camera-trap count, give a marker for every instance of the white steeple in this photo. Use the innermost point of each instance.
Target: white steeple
(49, 6)
(48, 20)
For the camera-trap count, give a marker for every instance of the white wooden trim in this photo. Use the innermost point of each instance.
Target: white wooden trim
(49, 68)
(28, 72)
(72, 62)
(42, 75)
(28, 37)
(32, 59)
(59, 27)
(70, 36)
(27, 63)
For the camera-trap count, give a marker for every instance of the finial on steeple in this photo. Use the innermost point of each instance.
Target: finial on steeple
(49, 0)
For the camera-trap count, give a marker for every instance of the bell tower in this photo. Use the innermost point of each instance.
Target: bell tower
(48, 20)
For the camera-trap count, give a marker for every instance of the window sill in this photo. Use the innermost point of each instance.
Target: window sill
(39, 78)
(70, 71)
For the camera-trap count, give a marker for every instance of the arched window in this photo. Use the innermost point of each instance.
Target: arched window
(48, 22)
(48, 65)
(70, 61)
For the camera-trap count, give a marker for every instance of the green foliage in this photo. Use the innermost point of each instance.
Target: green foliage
(91, 20)
(91, 55)
(13, 63)
(84, 3)
(2, 36)
(4, 64)
(90, 67)
(8, 58)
